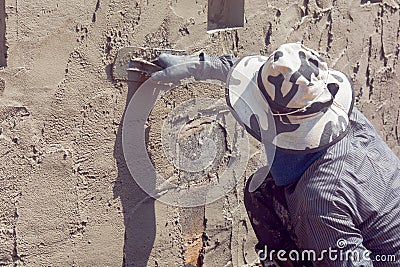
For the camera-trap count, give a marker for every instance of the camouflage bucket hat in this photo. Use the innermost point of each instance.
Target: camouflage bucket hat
(291, 99)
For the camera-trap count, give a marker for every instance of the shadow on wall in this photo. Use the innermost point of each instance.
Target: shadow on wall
(138, 208)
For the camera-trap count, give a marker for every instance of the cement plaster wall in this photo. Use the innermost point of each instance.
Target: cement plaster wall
(66, 196)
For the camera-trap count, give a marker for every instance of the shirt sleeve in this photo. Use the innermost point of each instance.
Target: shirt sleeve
(322, 217)
(200, 67)
(332, 240)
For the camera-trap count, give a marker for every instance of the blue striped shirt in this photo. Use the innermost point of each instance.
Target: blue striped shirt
(349, 200)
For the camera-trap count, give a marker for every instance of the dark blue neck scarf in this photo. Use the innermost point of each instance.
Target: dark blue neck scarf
(288, 168)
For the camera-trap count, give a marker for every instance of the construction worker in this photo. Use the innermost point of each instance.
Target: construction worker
(332, 194)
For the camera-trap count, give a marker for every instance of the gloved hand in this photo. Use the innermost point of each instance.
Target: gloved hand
(200, 67)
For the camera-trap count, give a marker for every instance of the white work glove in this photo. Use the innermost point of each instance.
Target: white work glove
(200, 67)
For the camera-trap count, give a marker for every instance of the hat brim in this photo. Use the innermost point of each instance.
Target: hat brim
(291, 133)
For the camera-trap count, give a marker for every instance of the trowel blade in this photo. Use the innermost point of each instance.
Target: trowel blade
(225, 15)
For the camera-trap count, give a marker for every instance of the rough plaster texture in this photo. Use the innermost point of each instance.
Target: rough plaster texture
(66, 196)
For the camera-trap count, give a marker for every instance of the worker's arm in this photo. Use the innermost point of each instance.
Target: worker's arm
(333, 240)
(322, 213)
(200, 67)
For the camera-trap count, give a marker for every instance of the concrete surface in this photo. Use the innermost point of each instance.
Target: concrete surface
(67, 198)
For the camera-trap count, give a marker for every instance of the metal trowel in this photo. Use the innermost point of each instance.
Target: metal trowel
(136, 64)
(225, 15)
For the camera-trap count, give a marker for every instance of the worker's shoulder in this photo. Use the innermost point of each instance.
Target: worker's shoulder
(360, 126)
(368, 154)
